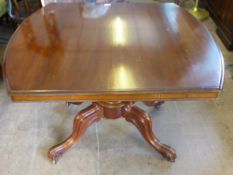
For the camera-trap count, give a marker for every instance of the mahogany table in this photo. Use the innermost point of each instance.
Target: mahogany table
(112, 55)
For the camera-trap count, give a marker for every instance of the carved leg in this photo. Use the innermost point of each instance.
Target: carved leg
(156, 104)
(81, 122)
(143, 122)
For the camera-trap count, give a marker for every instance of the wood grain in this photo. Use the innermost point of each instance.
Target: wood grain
(135, 51)
(222, 13)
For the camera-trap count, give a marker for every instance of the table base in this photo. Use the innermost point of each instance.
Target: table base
(113, 110)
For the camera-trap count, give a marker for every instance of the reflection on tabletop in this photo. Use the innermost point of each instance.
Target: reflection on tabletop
(45, 2)
(93, 10)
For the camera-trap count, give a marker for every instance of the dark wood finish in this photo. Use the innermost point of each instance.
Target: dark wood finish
(222, 13)
(145, 52)
(26, 6)
(143, 122)
(112, 110)
(0, 72)
(133, 52)
(18, 10)
(16, 5)
(82, 121)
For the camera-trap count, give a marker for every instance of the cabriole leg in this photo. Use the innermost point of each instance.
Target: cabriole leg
(82, 121)
(143, 122)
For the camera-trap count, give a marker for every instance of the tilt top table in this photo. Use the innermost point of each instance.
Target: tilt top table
(112, 55)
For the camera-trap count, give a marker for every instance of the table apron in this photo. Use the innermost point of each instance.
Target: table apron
(115, 97)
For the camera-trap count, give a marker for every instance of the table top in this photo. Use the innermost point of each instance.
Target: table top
(121, 51)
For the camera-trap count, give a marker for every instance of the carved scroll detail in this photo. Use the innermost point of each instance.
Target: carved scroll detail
(112, 110)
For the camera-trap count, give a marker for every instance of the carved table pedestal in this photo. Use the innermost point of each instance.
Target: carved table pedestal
(112, 110)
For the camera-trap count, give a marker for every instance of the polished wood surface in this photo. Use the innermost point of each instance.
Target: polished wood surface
(133, 51)
(82, 121)
(143, 122)
(112, 55)
(112, 110)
